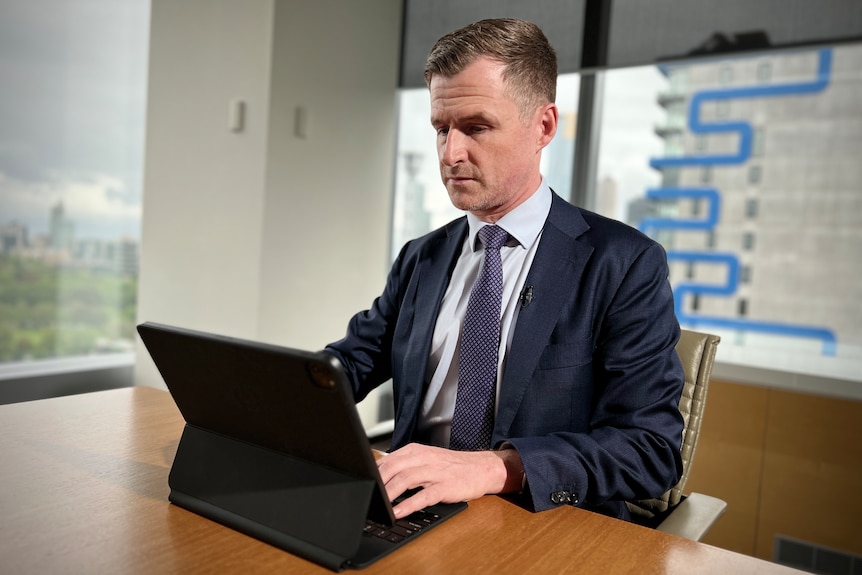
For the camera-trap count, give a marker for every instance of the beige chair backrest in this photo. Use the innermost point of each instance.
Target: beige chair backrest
(697, 353)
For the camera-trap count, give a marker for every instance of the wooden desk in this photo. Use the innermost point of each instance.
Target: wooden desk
(84, 488)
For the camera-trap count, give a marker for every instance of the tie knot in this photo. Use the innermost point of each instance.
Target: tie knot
(493, 237)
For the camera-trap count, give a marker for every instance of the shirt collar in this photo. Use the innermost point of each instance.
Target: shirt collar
(524, 223)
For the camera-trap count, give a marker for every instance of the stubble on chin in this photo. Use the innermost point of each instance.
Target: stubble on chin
(471, 202)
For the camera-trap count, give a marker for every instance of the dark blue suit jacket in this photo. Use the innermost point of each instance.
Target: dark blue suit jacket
(591, 389)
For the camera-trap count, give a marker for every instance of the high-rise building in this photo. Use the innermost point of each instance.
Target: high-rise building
(13, 237)
(62, 232)
(761, 168)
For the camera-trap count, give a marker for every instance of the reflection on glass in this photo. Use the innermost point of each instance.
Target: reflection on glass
(769, 259)
(72, 110)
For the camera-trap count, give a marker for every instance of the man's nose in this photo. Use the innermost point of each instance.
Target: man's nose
(454, 149)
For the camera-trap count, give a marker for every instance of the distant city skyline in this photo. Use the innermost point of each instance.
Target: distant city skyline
(61, 245)
(96, 213)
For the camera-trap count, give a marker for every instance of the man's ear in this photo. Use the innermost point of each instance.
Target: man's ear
(549, 116)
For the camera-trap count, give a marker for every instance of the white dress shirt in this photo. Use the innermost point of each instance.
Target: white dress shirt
(524, 225)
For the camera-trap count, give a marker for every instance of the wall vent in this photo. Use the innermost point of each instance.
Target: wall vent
(815, 558)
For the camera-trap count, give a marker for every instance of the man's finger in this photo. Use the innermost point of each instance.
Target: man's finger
(420, 500)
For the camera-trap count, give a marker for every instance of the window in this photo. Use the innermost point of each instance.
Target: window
(670, 177)
(710, 239)
(807, 212)
(71, 154)
(673, 145)
(764, 72)
(803, 317)
(752, 205)
(678, 80)
(754, 174)
(676, 114)
(758, 142)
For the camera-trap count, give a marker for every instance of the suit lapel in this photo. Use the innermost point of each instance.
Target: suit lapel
(555, 273)
(430, 278)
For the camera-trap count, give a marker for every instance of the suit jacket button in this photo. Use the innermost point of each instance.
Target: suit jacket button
(559, 497)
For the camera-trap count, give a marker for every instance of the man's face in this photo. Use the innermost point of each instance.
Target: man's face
(489, 153)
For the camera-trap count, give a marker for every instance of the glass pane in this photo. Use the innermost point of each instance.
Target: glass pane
(421, 202)
(791, 219)
(71, 152)
(558, 158)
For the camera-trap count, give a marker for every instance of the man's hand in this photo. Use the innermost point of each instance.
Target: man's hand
(447, 476)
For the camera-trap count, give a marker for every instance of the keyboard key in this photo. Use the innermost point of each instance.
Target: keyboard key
(403, 528)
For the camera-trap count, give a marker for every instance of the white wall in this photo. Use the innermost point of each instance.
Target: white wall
(328, 195)
(204, 185)
(262, 234)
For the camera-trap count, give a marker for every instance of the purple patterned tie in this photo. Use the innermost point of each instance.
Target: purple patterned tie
(473, 420)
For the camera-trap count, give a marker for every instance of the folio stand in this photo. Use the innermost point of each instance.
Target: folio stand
(306, 509)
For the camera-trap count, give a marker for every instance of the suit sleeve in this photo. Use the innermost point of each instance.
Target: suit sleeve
(632, 447)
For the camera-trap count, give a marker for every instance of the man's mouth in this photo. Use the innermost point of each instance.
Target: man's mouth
(456, 178)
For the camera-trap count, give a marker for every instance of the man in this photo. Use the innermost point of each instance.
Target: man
(584, 378)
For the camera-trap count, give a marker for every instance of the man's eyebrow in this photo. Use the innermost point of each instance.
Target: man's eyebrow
(478, 118)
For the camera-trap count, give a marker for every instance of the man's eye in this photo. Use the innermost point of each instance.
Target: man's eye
(477, 129)
(442, 131)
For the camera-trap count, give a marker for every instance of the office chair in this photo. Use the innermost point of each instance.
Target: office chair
(687, 516)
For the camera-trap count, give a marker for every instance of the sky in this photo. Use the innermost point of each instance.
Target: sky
(72, 110)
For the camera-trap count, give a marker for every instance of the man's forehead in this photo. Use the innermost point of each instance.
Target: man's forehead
(471, 95)
(468, 108)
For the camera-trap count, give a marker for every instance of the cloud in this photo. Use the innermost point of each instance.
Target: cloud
(99, 204)
(72, 87)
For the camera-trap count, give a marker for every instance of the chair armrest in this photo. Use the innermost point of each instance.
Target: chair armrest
(694, 516)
